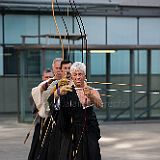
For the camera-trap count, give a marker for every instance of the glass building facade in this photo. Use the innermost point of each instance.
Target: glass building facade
(133, 70)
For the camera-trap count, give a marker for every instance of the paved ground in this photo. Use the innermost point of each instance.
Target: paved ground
(136, 141)
(122, 141)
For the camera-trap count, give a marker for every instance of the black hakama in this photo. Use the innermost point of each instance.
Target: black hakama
(76, 134)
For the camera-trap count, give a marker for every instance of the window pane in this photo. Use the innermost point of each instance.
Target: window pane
(155, 83)
(32, 62)
(98, 64)
(155, 62)
(51, 28)
(50, 55)
(1, 36)
(1, 61)
(141, 62)
(78, 56)
(95, 29)
(119, 102)
(121, 30)
(149, 30)
(120, 62)
(23, 25)
(10, 61)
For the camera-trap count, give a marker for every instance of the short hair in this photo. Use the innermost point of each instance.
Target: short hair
(55, 60)
(78, 66)
(47, 70)
(65, 62)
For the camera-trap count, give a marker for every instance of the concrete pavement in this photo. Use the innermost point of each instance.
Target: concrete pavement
(132, 141)
(122, 141)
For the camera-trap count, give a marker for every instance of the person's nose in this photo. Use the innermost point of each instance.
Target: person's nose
(59, 70)
(77, 77)
(67, 70)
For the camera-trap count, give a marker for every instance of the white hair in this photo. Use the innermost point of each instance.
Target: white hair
(78, 66)
(55, 60)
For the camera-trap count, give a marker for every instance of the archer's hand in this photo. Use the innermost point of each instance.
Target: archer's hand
(63, 82)
(65, 89)
(87, 91)
(44, 87)
(50, 80)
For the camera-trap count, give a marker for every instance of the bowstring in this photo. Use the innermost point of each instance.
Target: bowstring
(79, 26)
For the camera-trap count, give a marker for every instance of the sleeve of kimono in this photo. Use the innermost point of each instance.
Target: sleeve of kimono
(38, 99)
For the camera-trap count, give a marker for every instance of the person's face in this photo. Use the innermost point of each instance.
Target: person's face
(78, 78)
(65, 69)
(47, 75)
(57, 70)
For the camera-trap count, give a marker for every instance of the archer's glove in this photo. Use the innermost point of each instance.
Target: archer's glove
(63, 82)
(65, 89)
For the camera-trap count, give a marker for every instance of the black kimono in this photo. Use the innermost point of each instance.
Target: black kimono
(41, 136)
(40, 141)
(76, 133)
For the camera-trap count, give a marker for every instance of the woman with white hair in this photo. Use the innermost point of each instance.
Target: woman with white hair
(77, 120)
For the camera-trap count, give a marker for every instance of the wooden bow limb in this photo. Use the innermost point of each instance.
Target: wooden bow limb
(33, 125)
(57, 29)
